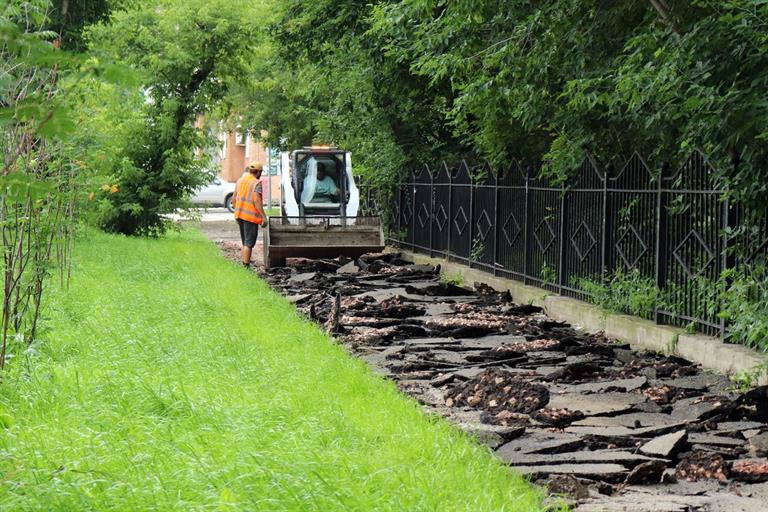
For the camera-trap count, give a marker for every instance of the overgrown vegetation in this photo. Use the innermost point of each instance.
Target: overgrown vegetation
(479, 249)
(403, 83)
(455, 279)
(743, 381)
(157, 387)
(548, 274)
(744, 293)
(188, 55)
(625, 291)
(739, 297)
(40, 178)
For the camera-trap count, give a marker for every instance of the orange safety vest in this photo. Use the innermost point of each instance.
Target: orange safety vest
(248, 199)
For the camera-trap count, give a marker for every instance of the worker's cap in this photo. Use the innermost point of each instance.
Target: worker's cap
(256, 166)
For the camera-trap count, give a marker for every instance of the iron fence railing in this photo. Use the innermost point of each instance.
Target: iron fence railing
(670, 228)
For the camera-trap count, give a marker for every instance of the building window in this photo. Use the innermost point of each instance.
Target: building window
(240, 136)
(223, 146)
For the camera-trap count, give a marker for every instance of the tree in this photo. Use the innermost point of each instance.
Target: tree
(406, 83)
(189, 55)
(69, 18)
(325, 79)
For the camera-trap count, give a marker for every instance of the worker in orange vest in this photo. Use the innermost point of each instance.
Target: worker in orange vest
(249, 212)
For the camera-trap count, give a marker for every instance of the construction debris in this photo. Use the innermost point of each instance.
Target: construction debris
(578, 411)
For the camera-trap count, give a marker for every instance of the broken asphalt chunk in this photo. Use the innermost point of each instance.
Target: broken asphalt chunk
(665, 446)
(537, 442)
(610, 472)
(596, 404)
(646, 473)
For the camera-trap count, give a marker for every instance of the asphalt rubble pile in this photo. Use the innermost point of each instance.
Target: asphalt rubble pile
(607, 427)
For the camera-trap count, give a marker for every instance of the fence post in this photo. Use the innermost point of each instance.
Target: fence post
(526, 228)
(730, 220)
(662, 237)
(725, 261)
(414, 213)
(495, 258)
(449, 249)
(561, 235)
(431, 209)
(604, 225)
(399, 202)
(471, 216)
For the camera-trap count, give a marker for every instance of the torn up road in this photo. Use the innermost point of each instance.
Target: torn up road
(610, 428)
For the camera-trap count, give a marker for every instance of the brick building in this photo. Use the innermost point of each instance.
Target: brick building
(238, 150)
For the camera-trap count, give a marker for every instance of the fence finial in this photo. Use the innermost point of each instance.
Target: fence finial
(528, 172)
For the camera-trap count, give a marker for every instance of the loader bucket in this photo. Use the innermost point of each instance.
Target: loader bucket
(320, 237)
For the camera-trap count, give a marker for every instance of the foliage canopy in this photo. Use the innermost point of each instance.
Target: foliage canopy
(188, 54)
(410, 82)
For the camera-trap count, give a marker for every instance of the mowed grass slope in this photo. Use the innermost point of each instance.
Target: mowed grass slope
(172, 379)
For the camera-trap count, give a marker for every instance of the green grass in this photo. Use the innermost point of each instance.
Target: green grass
(170, 379)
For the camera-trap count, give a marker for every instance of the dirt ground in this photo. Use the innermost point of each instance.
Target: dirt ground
(219, 225)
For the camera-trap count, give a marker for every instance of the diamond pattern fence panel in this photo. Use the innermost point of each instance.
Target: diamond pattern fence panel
(545, 215)
(484, 222)
(460, 213)
(441, 225)
(512, 235)
(583, 228)
(694, 244)
(664, 227)
(423, 214)
(632, 222)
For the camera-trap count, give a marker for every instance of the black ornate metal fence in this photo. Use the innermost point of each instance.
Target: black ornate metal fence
(669, 228)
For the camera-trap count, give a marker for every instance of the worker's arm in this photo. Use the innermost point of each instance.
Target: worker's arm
(258, 202)
(260, 207)
(234, 195)
(333, 190)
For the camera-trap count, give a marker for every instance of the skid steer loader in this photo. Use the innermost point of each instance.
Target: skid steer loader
(319, 210)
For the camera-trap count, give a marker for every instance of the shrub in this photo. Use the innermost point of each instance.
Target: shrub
(626, 291)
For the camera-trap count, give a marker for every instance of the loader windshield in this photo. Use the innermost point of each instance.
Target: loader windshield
(320, 177)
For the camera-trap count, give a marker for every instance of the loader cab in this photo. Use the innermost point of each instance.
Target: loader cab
(320, 181)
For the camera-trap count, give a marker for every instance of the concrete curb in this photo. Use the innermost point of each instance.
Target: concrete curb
(709, 352)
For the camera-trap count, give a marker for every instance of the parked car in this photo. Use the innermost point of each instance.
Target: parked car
(216, 193)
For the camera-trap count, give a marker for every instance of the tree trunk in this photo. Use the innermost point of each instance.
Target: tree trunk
(665, 12)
